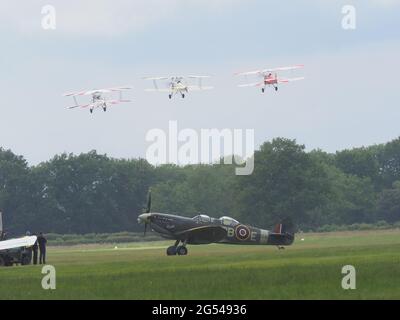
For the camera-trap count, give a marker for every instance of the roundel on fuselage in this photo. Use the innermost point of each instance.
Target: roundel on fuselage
(242, 232)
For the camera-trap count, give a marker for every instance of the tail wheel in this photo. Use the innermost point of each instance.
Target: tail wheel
(182, 251)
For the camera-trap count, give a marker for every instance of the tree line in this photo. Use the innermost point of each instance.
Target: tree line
(93, 193)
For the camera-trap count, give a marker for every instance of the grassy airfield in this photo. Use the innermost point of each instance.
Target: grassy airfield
(310, 269)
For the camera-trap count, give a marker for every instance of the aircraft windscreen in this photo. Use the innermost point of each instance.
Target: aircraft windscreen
(228, 221)
(202, 218)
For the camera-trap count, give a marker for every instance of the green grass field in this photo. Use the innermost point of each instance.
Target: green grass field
(310, 269)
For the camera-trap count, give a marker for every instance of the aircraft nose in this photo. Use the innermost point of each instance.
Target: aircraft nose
(144, 217)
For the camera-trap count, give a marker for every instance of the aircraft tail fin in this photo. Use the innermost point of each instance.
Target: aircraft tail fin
(282, 234)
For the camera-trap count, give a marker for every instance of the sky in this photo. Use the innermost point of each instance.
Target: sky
(350, 97)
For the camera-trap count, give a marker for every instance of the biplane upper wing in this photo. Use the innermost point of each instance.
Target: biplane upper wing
(263, 71)
(90, 92)
(16, 243)
(297, 66)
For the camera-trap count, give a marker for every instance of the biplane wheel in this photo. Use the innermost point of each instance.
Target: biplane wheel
(170, 96)
(262, 90)
(276, 88)
(171, 251)
(183, 96)
(105, 109)
(91, 110)
(182, 251)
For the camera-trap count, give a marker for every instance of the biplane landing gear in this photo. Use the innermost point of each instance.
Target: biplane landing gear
(183, 96)
(170, 96)
(262, 90)
(281, 248)
(91, 110)
(276, 88)
(105, 109)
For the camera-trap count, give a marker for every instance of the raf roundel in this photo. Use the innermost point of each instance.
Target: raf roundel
(242, 232)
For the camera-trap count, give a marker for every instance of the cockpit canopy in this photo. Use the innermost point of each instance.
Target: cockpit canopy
(202, 218)
(228, 221)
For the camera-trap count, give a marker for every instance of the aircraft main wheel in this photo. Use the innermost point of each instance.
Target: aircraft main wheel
(170, 96)
(182, 251)
(26, 260)
(105, 109)
(262, 90)
(183, 96)
(171, 251)
(91, 110)
(276, 88)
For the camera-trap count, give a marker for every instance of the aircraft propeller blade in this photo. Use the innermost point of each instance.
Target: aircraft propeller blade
(148, 208)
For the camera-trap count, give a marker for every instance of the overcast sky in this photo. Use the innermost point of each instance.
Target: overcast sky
(350, 96)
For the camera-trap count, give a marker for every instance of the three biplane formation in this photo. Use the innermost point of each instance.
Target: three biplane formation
(179, 85)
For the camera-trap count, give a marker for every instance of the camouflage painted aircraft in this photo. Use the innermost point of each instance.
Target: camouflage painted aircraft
(203, 229)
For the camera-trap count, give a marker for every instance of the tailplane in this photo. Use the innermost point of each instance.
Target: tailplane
(282, 234)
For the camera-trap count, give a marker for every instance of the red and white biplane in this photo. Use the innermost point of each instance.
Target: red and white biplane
(269, 77)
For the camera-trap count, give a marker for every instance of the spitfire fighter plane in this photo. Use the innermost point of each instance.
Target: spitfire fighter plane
(98, 100)
(178, 85)
(269, 77)
(203, 229)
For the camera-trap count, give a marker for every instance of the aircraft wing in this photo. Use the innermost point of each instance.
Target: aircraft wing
(204, 234)
(90, 92)
(80, 106)
(297, 66)
(290, 80)
(198, 88)
(16, 243)
(198, 77)
(157, 90)
(262, 71)
(155, 78)
(117, 101)
(255, 84)
(248, 73)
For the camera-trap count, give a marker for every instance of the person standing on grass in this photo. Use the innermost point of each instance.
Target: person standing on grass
(35, 251)
(42, 248)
